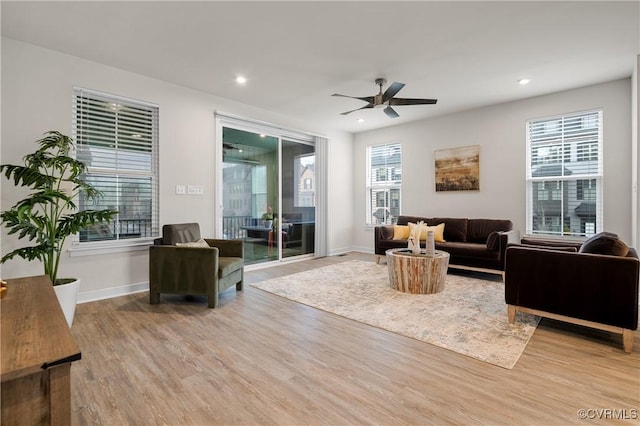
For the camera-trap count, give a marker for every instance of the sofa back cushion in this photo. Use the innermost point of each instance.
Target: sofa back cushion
(454, 229)
(478, 230)
(404, 220)
(605, 243)
(180, 233)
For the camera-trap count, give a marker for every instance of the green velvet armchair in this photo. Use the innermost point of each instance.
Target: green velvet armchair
(180, 263)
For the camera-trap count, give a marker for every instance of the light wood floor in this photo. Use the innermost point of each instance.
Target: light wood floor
(261, 359)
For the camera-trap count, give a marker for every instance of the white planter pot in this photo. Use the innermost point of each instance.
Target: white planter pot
(68, 297)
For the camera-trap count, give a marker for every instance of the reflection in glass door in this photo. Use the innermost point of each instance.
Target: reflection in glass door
(268, 194)
(297, 232)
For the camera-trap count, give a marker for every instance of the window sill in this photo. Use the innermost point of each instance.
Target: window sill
(91, 249)
(551, 237)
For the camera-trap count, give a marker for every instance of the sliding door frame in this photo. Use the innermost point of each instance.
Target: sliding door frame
(319, 142)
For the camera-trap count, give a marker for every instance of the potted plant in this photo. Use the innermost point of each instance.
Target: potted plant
(48, 215)
(267, 218)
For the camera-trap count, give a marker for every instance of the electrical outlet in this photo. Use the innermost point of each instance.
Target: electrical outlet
(181, 190)
(195, 190)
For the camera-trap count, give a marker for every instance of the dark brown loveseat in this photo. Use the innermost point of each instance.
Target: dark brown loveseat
(596, 286)
(477, 244)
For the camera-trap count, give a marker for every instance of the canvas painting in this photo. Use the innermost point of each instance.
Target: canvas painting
(458, 169)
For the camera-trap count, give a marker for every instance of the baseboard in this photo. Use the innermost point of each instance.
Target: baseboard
(365, 249)
(341, 250)
(108, 293)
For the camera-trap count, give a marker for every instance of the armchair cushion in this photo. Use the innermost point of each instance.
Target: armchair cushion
(227, 265)
(200, 243)
(180, 233)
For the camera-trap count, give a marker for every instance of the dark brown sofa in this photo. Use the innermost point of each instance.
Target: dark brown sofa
(477, 244)
(588, 287)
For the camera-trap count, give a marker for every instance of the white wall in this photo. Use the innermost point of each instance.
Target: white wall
(635, 156)
(37, 97)
(500, 132)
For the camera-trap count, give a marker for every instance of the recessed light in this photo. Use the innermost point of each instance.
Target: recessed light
(524, 81)
(241, 79)
(360, 120)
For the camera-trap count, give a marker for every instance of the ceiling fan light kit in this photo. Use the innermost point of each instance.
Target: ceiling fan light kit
(386, 99)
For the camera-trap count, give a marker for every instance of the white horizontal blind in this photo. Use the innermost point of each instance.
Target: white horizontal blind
(117, 139)
(564, 174)
(384, 182)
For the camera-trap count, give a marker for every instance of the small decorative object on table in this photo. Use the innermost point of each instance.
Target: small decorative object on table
(414, 238)
(3, 289)
(430, 247)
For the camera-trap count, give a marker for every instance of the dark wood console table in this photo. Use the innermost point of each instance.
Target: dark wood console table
(37, 352)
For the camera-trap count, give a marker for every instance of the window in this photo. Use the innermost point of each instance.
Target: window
(304, 168)
(564, 175)
(384, 179)
(117, 139)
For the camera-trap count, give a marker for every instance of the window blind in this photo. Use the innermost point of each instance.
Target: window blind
(117, 138)
(564, 174)
(384, 181)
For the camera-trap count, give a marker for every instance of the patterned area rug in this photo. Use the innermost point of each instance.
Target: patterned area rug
(469, 317)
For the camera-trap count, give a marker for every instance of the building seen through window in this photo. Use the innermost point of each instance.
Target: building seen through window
(564, 175)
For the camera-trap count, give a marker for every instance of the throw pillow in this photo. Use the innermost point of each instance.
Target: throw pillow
(400, 232)
(605, 243)
(200, 243)
(438, 232)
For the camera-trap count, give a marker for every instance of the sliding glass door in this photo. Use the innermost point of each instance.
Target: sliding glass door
(298, 198)
(268, 194)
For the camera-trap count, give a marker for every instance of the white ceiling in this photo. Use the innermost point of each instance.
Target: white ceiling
(296, 54)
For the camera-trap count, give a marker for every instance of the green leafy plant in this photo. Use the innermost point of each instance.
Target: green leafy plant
(48, 215)
(268, 215)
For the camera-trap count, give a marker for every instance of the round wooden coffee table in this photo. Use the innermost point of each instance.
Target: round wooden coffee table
(417, 273)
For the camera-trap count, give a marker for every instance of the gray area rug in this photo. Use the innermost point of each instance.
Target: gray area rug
(469, 317)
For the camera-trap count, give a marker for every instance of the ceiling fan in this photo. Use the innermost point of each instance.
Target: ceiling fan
(387, 98)
(228, 146)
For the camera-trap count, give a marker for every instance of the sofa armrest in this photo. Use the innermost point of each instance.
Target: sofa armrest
(380, 233)
(228, 248)
(591, 287)
(506, 238)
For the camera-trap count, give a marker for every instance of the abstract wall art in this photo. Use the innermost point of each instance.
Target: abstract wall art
(458, 169)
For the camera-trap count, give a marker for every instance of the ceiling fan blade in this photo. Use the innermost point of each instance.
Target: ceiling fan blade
(404, 101)
(357, 109)
(392, 90)
(391, 112)
(368, 99)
